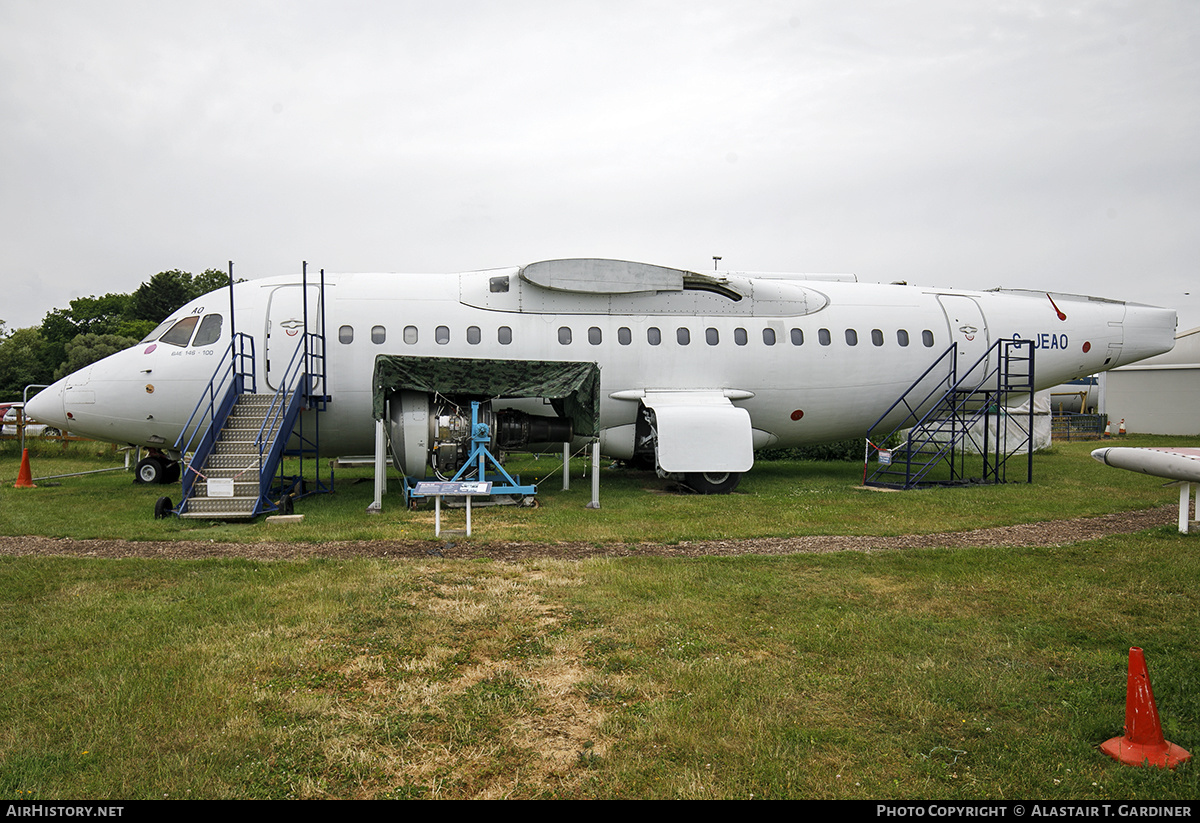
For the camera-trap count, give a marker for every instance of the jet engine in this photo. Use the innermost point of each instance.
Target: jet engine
(428, 431)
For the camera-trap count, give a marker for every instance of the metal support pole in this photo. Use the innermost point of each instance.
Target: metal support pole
(1185, 494)
(566, 467)
(380, 470)
(595, 504)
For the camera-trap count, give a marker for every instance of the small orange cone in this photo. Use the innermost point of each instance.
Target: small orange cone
(1121, 429)
(1108, 429)
(24, 476)
(1143, 742)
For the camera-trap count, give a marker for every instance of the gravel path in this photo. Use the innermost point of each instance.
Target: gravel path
(1053, 533)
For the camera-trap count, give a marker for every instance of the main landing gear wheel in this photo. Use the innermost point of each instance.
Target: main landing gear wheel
(712, 482)
(151, 470)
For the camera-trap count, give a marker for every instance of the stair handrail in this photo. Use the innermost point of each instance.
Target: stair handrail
(952, 352)
(229, 379)
(293, 386)
(1001, 346)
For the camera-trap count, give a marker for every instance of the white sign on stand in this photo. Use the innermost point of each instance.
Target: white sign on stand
(458, 489)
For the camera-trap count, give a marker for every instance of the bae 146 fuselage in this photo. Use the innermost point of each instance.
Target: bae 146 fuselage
(769, 360)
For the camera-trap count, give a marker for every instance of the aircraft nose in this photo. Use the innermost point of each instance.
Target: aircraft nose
(1147, 331)
(47, 406)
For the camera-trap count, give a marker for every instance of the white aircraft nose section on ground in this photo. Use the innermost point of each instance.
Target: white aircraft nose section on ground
(1180, 465)
(1172, 464)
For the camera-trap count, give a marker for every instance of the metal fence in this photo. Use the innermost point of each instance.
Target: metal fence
(1078, 426)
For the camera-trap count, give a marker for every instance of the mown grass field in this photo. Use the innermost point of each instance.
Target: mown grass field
(921, 674)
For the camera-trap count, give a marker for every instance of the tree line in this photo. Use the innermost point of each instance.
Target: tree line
(91, 328)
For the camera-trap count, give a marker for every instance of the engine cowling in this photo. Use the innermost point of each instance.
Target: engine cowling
(425, 431)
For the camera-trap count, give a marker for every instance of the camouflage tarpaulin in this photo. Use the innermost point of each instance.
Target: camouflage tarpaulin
(573, 387)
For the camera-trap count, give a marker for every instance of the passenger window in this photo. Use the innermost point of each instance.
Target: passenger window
(346, 334)
(564, 335)
(927, 338)
(683, 336)
(768, 337)
(594, 335)
(823, 337)
(378, 334)
(474, 335)
(504, 335)
(902, 337)
(739, 337)
(410, 335)
(441, 335)
(181, 332)
(877, 337)
(210, 330)
(797, 337)
(712, 336)
(653, 336)
(851, 337)
(624, 336)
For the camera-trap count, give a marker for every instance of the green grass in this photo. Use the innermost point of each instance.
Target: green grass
(776, 499)
(980, 673)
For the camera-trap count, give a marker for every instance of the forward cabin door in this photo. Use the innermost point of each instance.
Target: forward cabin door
(285, 322)
(968, 328)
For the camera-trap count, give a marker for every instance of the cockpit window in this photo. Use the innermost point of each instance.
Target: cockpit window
(210, 331)
(158, 330)
(181, 332)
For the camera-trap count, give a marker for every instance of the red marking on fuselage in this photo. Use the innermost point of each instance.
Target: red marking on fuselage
(1059, 311)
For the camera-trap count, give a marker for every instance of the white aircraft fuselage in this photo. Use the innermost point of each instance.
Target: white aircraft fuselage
(808, 360)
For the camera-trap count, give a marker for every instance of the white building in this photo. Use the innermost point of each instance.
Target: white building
(1159, 395)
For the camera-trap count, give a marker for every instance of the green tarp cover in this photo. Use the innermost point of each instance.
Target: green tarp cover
(573, 387)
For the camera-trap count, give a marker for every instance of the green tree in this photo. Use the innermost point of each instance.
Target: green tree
(24, 359)
(162, 294)
(86, 349)
(211, 280)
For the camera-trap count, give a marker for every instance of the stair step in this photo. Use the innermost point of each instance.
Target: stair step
(233, 460)
(221, 506)
(242, 489)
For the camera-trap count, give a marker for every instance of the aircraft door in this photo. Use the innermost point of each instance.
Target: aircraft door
(968, 328)
(285, 322)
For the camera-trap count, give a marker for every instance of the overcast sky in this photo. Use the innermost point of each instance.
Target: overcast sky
(1051, 145)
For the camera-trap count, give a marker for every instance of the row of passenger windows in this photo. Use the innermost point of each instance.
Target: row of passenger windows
(654, 336)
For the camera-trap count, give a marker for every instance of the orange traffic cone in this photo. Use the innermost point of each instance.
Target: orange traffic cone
(1143, 742)
(1108, 429)
(24, 476)
(1121, 429)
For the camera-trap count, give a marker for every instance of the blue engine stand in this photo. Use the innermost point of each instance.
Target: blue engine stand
(477, 463)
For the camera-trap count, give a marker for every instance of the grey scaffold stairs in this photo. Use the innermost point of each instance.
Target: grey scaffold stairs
(934, 423)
